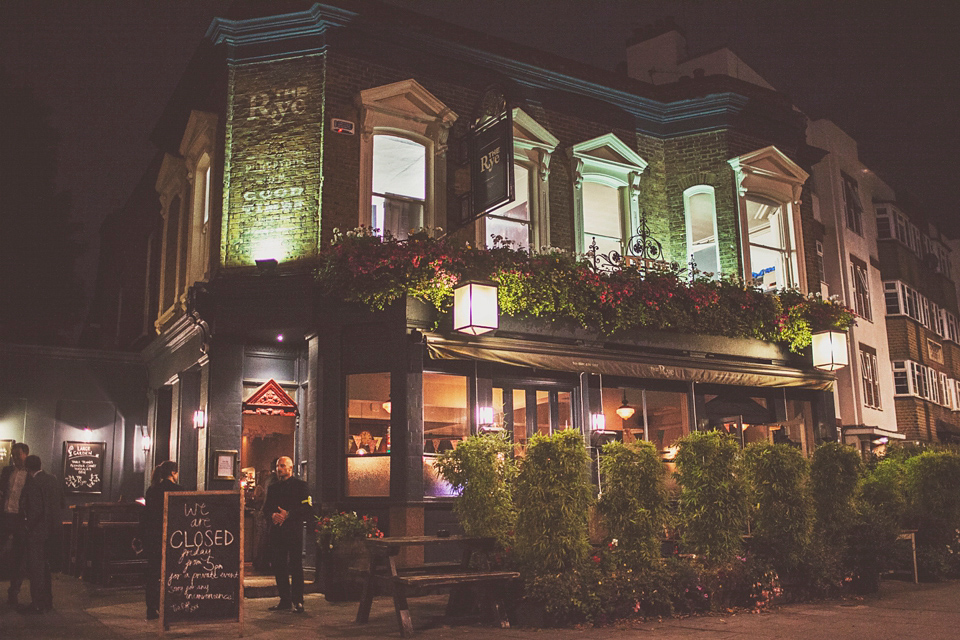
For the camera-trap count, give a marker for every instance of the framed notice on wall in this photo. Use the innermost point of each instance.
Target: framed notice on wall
(83, 467)
(224, 464)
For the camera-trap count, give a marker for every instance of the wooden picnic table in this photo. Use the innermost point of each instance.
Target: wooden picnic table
(402, 582)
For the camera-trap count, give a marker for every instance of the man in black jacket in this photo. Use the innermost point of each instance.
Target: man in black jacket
(164, 479)
(286, 508)
(41, 503)
(13, 527)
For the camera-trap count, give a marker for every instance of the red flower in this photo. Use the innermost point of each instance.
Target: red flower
(596, 559)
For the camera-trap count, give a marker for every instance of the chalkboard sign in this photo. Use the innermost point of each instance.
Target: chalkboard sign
(202, 557)
(83, 466)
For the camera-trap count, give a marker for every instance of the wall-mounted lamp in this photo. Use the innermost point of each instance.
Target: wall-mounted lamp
(87, 434)
(485, 421)
(598, 422)
(830, 350)
(387, 406)
(199, 419)
(145, 440)
(625, 411)
(475, 308)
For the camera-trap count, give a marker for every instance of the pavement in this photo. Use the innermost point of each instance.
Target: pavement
(899, 610)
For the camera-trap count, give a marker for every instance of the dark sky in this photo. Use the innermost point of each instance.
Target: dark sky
(888, 73)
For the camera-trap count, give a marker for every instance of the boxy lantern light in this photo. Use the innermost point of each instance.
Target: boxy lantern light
(199, 419)
(475, 308)
(830, 350)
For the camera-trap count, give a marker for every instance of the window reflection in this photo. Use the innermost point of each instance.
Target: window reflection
(446, 423)
(368, 434)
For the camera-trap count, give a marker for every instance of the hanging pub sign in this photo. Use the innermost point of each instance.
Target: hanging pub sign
(83, 466)
(491, 165)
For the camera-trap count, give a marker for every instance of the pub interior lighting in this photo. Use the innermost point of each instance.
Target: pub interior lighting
(145, 440)
(485, 421)
(830, 350)
(199, 419)
(87, 434)
(475, 308)
(625, 411)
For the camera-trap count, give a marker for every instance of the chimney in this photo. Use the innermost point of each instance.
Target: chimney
(655, 51)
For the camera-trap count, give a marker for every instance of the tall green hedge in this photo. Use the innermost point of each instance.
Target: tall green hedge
(782, 512)
(634, 501)
(553, 494)
(712, 504)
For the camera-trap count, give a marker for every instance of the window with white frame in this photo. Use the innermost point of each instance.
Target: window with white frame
(404, 131)
(852, 204)
(861, 289)
(902, 299)
(884, 227)
(700, 207)
(869, 374)
(525, 221)
(197, 148)
(901, 380)
(606, 182)
(914, 379)
(769, 186)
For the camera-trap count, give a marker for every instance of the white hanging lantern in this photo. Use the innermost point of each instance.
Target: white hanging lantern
(830, 350)
(475, 308)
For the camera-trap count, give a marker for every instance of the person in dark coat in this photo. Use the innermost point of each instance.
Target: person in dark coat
(164, 479)
(13, 527)
(287, 507)
(41, 503)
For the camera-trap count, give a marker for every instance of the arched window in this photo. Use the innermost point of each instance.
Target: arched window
(399, 185)
(700, 206)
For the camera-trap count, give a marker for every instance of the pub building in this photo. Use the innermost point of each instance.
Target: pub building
(288, 126)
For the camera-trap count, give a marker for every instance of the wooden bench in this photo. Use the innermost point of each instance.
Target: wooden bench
(468, 586)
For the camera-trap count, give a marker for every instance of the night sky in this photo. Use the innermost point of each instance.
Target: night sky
(888, 73)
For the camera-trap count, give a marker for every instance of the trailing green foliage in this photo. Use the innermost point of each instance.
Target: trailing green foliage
(634, 500)
(782, 511)
(553, 493)
(712, 506)
(553, 285)
(482, 470)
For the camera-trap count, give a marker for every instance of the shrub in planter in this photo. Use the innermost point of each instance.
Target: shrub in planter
(872, 542)
(712, 502)
(482, 470)
(782, 512)
(553, 494)
(634, 500)
(934, 503)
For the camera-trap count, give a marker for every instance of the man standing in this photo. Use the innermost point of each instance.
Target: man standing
(164, 479)
(13, 533)
(287, 507)
(42, 507)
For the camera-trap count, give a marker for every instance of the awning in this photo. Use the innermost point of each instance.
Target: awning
(579, 359)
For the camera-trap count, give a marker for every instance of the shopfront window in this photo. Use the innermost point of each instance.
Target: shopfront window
(446, 423)
(522, 412)
(368, 435)
(662, 417)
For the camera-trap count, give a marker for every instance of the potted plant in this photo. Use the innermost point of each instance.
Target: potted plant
(341, 553)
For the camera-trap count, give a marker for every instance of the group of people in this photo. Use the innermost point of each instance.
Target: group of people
(30, 503)
(286, 507)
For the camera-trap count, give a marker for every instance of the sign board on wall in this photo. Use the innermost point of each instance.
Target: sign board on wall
(83, 467)
(491, 165)
(202, 558)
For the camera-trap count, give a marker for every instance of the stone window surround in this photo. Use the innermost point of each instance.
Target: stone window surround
(407, 110)
(625, 176)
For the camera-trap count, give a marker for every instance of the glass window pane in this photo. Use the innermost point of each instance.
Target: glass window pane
(399, 167)
(543, 412)
(564, 411)
(667, 418)
(518, 209)
(368, 434)
(515, 231)
(702, 230)
(519, 422)
(445, 424)
(601, 211)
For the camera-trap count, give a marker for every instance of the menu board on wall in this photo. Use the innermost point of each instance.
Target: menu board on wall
(83, 466)
(202, 557)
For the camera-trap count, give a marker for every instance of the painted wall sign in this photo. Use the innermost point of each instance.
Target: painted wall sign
(83, 466)
(275, 104)
(202, 557)
(491, 165)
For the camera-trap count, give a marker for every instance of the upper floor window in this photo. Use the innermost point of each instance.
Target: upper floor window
(852, 204)
(606, 182)
(861, 289)
(399, 185)
(700, 206)
(196, 147)
(525, 221)
(821, 272)
(870, 376)
(769, 185)
(402, 157)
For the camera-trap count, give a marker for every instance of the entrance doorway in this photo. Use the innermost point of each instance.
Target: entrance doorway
(268, 432)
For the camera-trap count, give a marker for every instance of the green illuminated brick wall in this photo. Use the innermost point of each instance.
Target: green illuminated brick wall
(273, 158)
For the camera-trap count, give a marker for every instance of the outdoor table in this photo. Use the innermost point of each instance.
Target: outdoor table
(383, 571)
